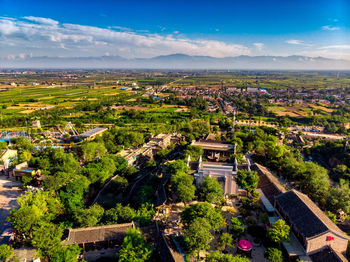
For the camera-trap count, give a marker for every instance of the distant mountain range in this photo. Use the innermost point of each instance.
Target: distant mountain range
(179, 61)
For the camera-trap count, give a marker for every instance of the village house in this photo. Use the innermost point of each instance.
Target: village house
(22, 170)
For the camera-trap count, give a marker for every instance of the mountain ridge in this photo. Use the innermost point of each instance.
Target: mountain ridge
(178, 61)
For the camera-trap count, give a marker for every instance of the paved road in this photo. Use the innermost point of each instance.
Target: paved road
(9, 192)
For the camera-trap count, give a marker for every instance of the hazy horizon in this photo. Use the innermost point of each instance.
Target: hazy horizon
(145, 30)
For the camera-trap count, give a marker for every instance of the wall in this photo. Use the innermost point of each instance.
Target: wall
(338, 244)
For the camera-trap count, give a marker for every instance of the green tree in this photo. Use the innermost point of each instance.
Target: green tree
(67, 254)
(35, 208)
(58, 180)
(217, 256)
(248, 180)
(22, 143)
(177, 166)
(3, 145)
(120, 214)
(225, 239)
(237, 227)
(194, 152)
(134, 247)
(64, 162)
(274, 254)
(197, 236)
(93, 150)
(24, 156)
(6, 252)
(185, 189)
(275, 151)
(331, 216)
(339, 197)
(210, 190)
(315, 182)
(279, 231)
(89, 217)
(119, 184)
(47, 239)
(199, 127)
(203, 210)
(73, 194)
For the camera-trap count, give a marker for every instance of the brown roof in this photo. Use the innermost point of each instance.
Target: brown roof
(96, 234)
(268, 183)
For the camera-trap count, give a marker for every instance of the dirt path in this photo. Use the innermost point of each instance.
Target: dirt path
(9, 192)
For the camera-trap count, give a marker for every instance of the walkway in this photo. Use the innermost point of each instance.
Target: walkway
(9, 192)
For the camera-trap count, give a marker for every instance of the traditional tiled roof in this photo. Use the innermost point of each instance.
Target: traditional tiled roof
(305, 215)
(268, 183)
(325, 255)
(97, 234)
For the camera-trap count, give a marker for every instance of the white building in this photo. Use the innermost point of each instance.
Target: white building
(225, 173)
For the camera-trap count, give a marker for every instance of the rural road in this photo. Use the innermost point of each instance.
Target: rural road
(9, 192)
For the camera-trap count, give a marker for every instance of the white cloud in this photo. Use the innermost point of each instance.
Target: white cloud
(340, 47)
(7, 27)
(330, 28)
(259, 46)
(41, 20)
(121, 28)
(40, 35)
(295, 42)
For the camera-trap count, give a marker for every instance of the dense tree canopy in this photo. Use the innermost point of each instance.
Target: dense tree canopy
(248, 180)
(274, 254)
(134, 247)
(279, 231)
(210, 190)
(203, 210)
(197, 235)
(217, 256)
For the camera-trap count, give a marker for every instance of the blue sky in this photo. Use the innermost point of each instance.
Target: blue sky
(150, 28)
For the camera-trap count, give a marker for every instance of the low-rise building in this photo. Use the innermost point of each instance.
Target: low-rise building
(22, 170)
(225, 173)
(90, 238)
(311, 227)
(215, 150)
(91, 134)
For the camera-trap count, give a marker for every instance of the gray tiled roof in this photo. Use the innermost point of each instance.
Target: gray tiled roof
(305, 215)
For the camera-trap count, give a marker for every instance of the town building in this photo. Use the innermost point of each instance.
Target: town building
(214, 150)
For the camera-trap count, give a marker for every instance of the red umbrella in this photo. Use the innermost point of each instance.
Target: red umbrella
(244, 245)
